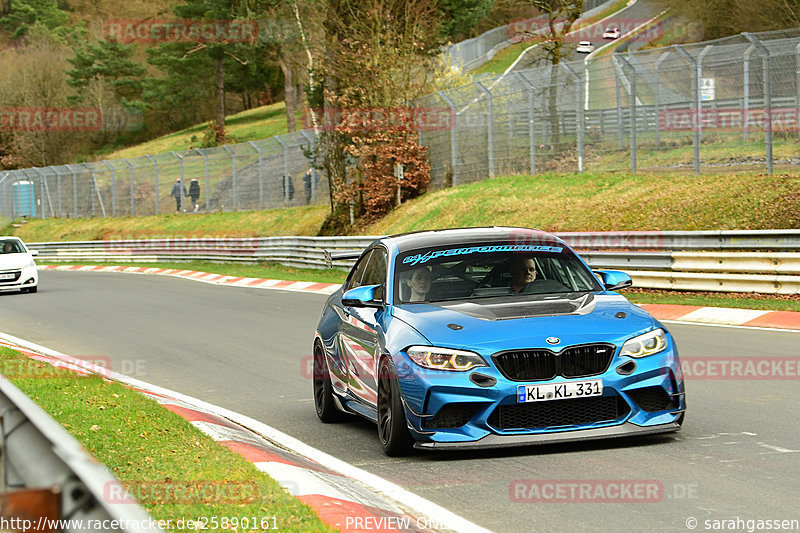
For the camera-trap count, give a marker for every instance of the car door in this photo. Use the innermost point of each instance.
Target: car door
(358, 334)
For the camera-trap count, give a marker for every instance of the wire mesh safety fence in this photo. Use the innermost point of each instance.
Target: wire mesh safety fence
(733, 103)
(270, 173)
(730, 103)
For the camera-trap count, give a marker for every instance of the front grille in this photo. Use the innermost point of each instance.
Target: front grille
(652, 399)
(540, 415)
(15, 273)
(589, 360)
(527, 365)
(451, 415)
(572, 362)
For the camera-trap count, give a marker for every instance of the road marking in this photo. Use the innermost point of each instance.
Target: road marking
(776, 449)
(444, 519)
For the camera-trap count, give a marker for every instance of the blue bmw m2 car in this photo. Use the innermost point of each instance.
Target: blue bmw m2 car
(489, 337)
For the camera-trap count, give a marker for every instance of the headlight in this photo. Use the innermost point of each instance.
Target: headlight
(445, 358)
(647, 344)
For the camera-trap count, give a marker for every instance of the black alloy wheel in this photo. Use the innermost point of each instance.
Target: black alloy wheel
(392, 429)
(323, 389)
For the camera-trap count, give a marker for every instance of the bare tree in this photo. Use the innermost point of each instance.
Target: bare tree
(561, 16)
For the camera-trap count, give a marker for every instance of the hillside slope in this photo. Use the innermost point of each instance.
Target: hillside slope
(554, 202)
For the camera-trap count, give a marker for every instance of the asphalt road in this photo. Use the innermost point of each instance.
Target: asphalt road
(626, 20)
(738, 455)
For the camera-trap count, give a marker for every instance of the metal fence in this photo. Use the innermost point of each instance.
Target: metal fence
(690, 107)
(696, 107)
(262, 174)
(700, 260)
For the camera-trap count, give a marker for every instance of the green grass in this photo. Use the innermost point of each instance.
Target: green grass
(715, 299)
(717, 148)
(174, 469)
(5, 226)
(304, 220)
(593, 201)
(251, 125)
(607, 202)
(261, 270)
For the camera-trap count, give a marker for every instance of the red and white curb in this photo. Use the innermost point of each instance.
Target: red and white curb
(342, 495)
(725, 316)
(678, 313)
(205, 277)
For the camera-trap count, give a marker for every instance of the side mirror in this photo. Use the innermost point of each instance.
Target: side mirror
(362, 297)
(34, 252)
(614, 280)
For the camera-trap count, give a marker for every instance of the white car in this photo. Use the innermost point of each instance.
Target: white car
(585, 47)
(17, 268)
(612, 32)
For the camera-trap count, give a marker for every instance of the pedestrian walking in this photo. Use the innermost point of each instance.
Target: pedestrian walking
(310, 182)
(194, 192)
(178, 191)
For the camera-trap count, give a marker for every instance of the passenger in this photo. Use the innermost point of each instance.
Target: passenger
(420, 284)
(523, 272)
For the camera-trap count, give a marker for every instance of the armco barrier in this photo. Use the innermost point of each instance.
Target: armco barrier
(654, 259)
(47, 474)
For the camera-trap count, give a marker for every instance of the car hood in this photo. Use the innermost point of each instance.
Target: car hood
(11, 261)
(502, 324)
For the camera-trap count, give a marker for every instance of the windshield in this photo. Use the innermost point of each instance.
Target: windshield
(487, 270)
(11, 246)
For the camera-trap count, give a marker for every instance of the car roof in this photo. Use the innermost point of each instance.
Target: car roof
(459, 236)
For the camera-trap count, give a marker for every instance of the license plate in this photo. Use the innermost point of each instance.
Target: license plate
(7, 276)
(559, 391)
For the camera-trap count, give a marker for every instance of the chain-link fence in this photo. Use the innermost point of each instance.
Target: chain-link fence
(263, 174)
(733, 102)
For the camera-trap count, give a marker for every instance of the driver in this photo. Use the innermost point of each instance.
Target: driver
(523, 272)
(420, 284)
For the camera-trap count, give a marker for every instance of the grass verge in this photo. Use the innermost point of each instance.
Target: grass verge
(5, 226)
(251, 125)
(606, 202)
(304, 220)
(639, 296)
(592, 201)
(175, 470)
(766, 302)
(261, 270)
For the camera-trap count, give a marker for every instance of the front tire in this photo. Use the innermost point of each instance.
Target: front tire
(392, 429)
(323, 389)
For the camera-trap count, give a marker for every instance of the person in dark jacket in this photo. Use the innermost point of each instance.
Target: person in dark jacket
(178, 191)
(194, 193)
(310, 182)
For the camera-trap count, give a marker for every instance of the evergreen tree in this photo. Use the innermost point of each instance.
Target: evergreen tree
(27, 13)
(459, 17)
(112, 63)
(184, 90)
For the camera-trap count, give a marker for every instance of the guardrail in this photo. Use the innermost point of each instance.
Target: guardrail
(48, 476)
(764, 261)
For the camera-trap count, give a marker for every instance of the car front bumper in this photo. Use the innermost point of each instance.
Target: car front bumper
(626, 429)
(450, 410)
(27, 278)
